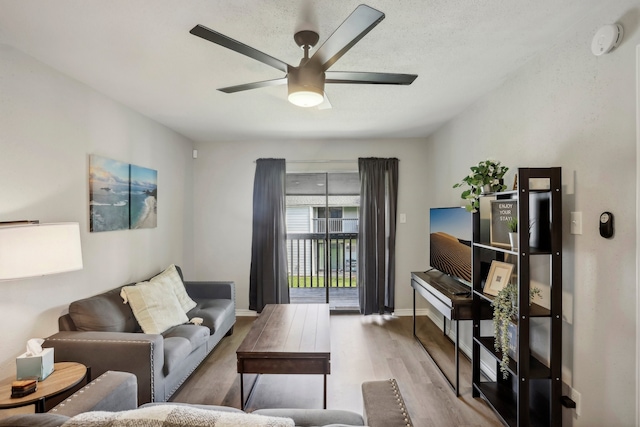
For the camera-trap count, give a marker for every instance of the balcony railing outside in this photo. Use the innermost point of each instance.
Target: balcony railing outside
(306, 260)
(336, 225)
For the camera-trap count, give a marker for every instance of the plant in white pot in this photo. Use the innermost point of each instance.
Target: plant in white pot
(505, 310)
(512, 226)
(486, 177)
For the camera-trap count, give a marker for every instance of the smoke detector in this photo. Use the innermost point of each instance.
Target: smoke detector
(606, 39)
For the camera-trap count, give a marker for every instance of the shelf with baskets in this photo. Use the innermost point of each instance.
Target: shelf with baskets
(528, 393)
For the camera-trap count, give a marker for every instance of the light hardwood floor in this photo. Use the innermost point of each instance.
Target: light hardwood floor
(363, 348)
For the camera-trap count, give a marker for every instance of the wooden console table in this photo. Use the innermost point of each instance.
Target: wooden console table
(65, 376)
(450, 298)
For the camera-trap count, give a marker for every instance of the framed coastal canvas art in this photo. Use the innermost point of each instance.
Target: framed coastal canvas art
(144, 197)
(108, 194)
(121, 196)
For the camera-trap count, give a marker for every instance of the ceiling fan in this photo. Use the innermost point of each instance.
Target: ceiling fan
(306, 81)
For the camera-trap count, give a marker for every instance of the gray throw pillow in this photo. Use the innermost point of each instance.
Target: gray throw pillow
(103, 313)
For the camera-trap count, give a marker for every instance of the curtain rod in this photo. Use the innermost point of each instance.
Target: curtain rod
(319, 161)
(322, 161)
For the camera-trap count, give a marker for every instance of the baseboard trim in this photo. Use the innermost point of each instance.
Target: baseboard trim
(243, 312)
(403, 312)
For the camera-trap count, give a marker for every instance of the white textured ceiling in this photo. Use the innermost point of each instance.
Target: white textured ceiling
(140, 53)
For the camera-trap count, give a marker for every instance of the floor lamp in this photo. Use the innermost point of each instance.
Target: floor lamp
(30, 249)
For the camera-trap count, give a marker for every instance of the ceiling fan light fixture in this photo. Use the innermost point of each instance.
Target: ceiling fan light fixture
(306, 98)
(306, 86)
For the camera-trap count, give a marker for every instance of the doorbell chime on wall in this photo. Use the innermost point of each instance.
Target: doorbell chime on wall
(606, 225)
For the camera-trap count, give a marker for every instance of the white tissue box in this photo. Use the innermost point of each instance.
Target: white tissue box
(38, 366)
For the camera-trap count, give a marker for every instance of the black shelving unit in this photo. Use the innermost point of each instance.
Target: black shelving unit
(531, 393)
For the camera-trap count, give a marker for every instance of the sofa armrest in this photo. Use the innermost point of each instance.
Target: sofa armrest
(384, 405)
(211, 290)
(111, 391)
(140, 354)
(315, 417)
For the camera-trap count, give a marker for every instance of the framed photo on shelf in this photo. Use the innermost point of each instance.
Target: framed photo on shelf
(499, 276)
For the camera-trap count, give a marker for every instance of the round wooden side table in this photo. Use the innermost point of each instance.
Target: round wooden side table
(65, 376)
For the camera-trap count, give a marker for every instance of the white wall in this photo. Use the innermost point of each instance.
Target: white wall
(49, 125)
(637, 234)
(223, 177)
(571, 109)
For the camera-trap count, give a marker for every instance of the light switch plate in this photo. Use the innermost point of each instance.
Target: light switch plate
(576, 397)
(576, 222)
(403, 218)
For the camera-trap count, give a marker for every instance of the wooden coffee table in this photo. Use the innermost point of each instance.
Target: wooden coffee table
(65, 376)
(287, 339)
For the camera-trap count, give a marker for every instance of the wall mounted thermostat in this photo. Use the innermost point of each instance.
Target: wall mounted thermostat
(606, 224)
(606, 39)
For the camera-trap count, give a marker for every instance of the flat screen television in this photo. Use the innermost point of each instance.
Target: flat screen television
(450, 235)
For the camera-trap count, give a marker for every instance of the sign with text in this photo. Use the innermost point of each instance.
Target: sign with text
(502, 211)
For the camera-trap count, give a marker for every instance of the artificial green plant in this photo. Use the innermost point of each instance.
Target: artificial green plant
(505, 308)
(487, 173)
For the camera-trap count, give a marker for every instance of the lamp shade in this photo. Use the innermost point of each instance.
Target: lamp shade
(39, 249)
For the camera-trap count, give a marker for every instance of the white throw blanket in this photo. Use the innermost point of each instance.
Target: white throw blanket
(174, 416)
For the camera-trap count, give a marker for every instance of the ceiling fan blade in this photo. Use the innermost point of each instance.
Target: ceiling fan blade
(229, 43)
(369, 78)
(325, 104)
(356, 26)
(254, 85)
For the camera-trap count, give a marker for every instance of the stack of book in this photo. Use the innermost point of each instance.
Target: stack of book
(22, 388)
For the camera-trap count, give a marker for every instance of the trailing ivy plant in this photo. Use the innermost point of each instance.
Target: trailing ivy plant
(487, 173)
(505, 308)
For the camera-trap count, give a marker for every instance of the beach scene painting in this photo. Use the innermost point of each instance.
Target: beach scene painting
(121, 196)
(144, 197)
(108, 194)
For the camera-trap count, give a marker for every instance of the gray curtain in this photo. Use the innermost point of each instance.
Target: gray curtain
(377, 234)
(268, 282)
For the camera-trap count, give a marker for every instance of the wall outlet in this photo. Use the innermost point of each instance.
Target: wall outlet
(575, 396)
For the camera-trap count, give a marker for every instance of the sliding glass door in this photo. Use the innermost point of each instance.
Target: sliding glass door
(322, 232)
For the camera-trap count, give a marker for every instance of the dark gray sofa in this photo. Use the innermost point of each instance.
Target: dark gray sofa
(116, 391)
(102, 333)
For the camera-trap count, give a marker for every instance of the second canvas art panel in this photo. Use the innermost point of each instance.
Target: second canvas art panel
(121, 196)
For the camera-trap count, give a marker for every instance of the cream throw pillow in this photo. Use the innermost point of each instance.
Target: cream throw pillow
(171, 277)
(155, 306)
(176, 416)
